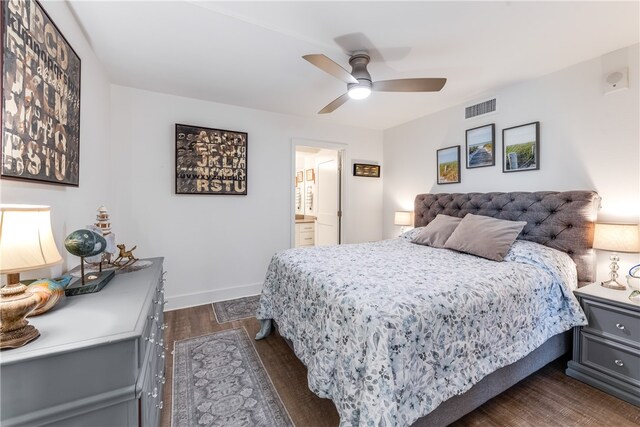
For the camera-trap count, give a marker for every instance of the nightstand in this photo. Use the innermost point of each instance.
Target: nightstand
(606, 352)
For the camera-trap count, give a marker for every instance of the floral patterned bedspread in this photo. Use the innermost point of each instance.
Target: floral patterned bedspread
(389, 330)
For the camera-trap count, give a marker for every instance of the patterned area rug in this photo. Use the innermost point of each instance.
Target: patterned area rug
(219, 380)
(236, 309)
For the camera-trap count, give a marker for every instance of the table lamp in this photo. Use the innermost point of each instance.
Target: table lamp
(403, 218)
(616, 238)
(26, 243)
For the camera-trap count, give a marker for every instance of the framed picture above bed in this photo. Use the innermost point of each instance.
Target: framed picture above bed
(448, 165)
(210, 161)
(521, 148)
(480, 146)
(40, 98)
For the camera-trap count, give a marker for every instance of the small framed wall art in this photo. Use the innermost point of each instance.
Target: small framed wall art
(366, 170)
(311, 175)
(521, 148)
(448, 162)
(210, 161)
(480, 146)
(40, 98)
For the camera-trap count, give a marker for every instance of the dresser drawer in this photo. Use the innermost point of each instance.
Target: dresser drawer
(614, 359)
(307, 238)
(613, 321)
(306, 226)
(153, 328)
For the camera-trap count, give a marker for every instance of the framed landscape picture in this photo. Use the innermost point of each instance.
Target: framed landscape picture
(448, 160)
(480, 146)
(521, 148)
(40, 98)
(210, 161)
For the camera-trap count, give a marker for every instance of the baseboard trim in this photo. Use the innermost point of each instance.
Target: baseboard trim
(176, 302)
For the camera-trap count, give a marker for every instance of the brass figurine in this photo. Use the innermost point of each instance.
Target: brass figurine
(125, 257)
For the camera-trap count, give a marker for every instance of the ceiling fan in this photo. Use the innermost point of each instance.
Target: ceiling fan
(360, 84)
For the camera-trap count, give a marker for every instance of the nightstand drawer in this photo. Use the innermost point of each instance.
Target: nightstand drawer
(614, 321)
(614, 359)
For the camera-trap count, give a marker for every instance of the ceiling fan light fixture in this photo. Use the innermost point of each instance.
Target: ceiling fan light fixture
(359, 92)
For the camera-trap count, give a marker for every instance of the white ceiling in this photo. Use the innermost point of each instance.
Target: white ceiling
(249, 53)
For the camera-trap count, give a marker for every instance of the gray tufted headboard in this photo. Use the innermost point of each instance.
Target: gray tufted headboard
(560, 220)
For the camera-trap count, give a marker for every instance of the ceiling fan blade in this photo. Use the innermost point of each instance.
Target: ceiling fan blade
(333, 105)
(409, 85)
(328, 66)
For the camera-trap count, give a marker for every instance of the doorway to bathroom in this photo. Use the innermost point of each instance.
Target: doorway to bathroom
(317, 196)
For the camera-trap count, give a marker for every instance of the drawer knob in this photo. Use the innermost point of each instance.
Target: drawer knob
(619, 362)
(620, 326)
(160, 405)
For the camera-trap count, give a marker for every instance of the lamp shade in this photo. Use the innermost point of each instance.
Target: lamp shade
(617, 237)
(26, 240)
(403, 218)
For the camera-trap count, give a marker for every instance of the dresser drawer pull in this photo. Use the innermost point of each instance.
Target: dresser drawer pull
(619, 362)
(620, 326)
(154, 393)
(164, 326)
(160, 405)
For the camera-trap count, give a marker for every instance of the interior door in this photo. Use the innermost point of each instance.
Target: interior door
(327, 222)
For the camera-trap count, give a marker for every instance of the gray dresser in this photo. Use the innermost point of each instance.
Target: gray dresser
(99, 360)
(606, 352)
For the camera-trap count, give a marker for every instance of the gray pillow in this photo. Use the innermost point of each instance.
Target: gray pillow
(484, 236)
(437, 232)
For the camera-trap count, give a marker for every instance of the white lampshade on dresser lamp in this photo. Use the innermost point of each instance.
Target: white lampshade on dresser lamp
(616, 238)
(26, 243)
(403, 218)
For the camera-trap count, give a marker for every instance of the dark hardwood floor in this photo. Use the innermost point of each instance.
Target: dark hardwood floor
(546, 398)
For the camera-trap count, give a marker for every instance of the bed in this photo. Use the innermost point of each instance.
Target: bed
(399, 334)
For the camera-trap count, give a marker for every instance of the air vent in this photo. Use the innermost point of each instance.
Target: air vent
(485, 107)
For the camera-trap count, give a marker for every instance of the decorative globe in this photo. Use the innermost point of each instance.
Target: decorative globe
(84, 243)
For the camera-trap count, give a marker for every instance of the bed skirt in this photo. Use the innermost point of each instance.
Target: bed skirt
(494, 383)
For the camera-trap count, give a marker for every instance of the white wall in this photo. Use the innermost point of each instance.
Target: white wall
(73, 208)
(588, 141)
(218, 247)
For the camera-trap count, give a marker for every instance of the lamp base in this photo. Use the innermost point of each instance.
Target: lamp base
(19, 337)
(613, 284)
(15, 303)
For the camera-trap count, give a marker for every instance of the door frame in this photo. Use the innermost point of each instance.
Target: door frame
(341, 149)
